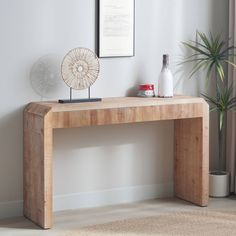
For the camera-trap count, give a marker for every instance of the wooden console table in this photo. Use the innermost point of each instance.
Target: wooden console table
(191, 122)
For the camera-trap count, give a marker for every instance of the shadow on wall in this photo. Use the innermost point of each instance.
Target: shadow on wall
(133, 91)
(11, 146)
(125, 153)
(45, 76)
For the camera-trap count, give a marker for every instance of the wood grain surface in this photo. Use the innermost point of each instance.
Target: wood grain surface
(191, 143)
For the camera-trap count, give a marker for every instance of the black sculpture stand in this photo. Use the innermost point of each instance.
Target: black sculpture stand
(89, 99)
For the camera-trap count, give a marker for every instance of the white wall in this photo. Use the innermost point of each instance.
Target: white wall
(99, 165)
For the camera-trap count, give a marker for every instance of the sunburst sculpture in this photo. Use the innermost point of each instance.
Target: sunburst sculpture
(80, 68)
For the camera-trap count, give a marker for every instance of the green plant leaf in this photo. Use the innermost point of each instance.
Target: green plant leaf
(210, 100)
(192, 60)
(204, 38)
(213, 109)
(228, 49)
(231, 63)
(221, 119)
(209, 72)
(220, 71)
(200, 45)
(197, 67)
(210, 54)
(195, 48)
(232, 106)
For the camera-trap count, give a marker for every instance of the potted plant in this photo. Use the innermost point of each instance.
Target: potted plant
(211, 54)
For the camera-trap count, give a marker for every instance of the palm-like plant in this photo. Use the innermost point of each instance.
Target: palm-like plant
(212, 55)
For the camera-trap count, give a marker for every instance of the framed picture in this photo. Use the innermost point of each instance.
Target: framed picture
(116, 28)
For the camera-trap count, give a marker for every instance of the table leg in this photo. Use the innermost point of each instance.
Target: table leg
(191, 166)
(38, 169)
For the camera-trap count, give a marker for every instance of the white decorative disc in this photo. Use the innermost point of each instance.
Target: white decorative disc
(80, 68)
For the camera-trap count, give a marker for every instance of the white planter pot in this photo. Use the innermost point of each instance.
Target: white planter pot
(219, 184)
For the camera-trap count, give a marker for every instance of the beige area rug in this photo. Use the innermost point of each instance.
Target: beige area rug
(200, 222)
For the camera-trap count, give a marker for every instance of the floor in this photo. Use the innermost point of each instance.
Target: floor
(69, 220)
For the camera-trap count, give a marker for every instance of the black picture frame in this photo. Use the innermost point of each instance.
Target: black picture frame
(116, 28)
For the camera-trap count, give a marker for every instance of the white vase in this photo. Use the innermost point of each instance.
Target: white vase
(165, 81)
(219, 184)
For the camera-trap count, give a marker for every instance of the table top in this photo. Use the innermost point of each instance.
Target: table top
(117, 102)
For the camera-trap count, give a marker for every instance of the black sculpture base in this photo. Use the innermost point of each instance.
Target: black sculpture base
(80, 100)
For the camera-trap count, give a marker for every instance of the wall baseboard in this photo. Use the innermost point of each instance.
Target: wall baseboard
(95, 199)
(112, 196)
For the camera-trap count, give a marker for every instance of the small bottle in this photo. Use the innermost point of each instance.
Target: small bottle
(165, 81)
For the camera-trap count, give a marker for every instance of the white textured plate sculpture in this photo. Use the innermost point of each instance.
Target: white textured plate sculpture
(80, 68)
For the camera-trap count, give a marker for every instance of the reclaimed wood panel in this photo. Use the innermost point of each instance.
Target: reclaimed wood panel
(191, 160)
(191, 117)
(37, 189)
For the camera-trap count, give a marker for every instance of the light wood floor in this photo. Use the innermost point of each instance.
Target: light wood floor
(70, 220)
